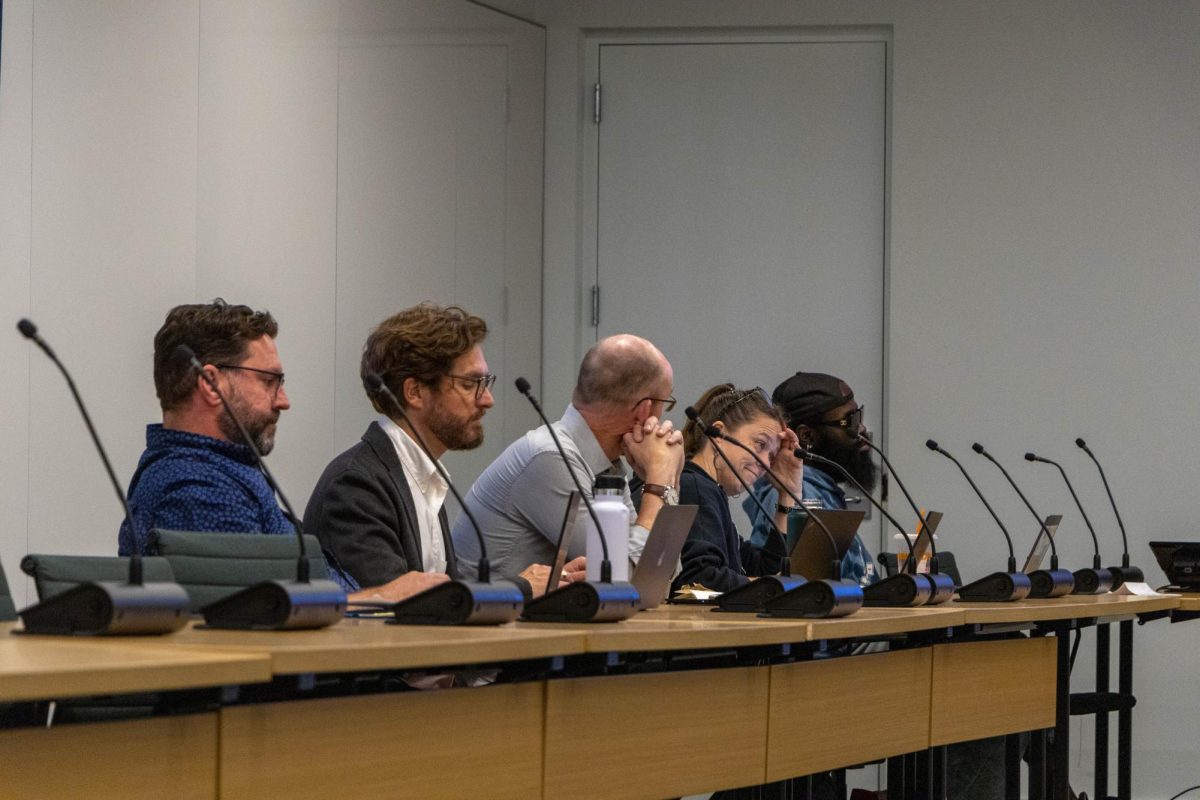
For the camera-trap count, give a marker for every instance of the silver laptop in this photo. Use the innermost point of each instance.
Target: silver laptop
(1041, 544)
(566, 533)
(811, 556)
(656, 567)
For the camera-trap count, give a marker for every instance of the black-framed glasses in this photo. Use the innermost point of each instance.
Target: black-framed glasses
(852, 422)
(275, 379)
(480, 383)
(668, 402)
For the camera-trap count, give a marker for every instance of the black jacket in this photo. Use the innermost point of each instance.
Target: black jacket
(362, 511)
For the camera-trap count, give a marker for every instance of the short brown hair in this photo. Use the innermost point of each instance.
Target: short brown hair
(217, 332)
(421, 342)
(735, 407)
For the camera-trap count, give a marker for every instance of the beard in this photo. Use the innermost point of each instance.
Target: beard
(454, 432)
(259, 425)
(857, 462)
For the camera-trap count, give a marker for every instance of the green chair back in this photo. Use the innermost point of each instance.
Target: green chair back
(55, 574)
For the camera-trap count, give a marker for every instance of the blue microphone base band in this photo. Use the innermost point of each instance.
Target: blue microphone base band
(999, 587)
(107, 608)
(278, 606)
(461, 603)
(817, 600)
(1051, 583)
(585, 602)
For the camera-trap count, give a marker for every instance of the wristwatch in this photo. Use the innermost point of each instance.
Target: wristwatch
(669, 494)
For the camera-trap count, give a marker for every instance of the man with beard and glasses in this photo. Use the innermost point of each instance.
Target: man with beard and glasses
(196, 474)
(822, 411)
(378, 508)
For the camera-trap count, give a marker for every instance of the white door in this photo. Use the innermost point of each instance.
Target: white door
(739, 209)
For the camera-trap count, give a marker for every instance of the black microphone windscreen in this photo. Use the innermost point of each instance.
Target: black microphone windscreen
(373, 381)
(978, 448)
(27, 328)
(1030, 457)
(931, 444)
(1081, 444)
(183, 353)
(522, 386)
(691, 413)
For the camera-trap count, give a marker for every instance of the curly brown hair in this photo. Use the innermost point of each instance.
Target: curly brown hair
(217, 332)
(421, 342)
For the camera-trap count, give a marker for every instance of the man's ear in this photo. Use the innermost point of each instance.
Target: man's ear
(641, 411)
(414, 393)
(211, 398)
(806, 434)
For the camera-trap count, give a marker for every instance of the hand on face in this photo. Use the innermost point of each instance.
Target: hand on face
(655, 451)
(786, 466)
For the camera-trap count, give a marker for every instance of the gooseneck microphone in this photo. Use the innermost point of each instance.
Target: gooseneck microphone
(581, 601)
(999, 586)
(105, 607)
(1087, 581)
(753, 595)
(270, 605)
(1053, 582)
(903, 588)
(453, 602)
(1124, 573)
(942, 585)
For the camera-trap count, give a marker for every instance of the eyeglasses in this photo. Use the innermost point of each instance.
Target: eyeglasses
(852, 422)
(480, 383)
(668, 402)
(274, 379)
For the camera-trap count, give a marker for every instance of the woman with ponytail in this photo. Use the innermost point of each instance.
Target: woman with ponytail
(714, 555)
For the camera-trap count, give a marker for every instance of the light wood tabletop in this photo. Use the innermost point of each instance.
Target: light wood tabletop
(55, 667)
(1064, 608)
(369, 644)
(682, 628)
(1189, 602)
(887, 621)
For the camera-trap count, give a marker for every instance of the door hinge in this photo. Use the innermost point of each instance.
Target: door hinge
(595, 306)
(596, 104)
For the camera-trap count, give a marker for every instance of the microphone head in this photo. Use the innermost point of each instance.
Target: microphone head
(931, 444)
(714, 432)
(183, 353)
(523, 386)
(691, 413)
(1031, 457)
(1080, 443)
(978, 448)
(373, 381)
(27, 328)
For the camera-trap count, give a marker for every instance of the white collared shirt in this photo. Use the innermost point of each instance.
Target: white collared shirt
(428, 493)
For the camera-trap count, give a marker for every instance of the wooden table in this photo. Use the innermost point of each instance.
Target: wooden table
(654, 734)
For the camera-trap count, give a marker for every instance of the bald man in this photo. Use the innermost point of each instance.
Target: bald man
(624, 386)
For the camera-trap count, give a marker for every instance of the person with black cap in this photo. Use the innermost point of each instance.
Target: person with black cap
(827, 420)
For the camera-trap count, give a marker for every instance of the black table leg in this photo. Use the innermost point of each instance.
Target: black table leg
(1102, 670)
(1125, 715)
(1061, 752)
(1012, 767)
(1037, 765)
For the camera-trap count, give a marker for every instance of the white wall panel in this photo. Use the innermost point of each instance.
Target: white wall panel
(113, 241)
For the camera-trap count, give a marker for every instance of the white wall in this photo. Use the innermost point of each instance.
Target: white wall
(1044, 238)
(160, 153)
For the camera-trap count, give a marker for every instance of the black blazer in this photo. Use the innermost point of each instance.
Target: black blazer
(362, 511)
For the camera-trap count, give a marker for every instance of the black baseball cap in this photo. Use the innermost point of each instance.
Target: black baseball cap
(805, 396)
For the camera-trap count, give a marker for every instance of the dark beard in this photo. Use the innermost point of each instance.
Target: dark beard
(260, 428)
(452, 432)
(859, 464)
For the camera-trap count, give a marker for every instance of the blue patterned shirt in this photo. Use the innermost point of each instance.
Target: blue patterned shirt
(858, 565)
(189, 482)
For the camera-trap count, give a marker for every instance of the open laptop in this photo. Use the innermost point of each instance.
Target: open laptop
(566, 534)
(656, 566)
(924, 534)
(1033, 562)
(810, 555)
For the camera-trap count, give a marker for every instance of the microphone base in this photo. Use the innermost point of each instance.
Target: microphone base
(1093, 581)
(999, 587)
(461, 603)
(902, 589)
(1051, 583)
(278, 606)
(754, 595)
(584, 602)
(817, 600)
(942, 588)
(1128, 574)
(110, 608)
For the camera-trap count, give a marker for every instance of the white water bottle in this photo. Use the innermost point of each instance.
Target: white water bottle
(608, 501)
